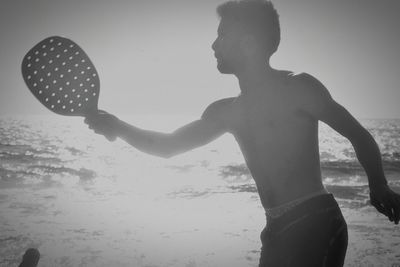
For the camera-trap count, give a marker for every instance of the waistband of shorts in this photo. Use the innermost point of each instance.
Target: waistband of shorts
(278, 211)
(323, 202)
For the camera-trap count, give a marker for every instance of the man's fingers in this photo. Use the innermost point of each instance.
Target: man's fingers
(94, 123)
(90, 121)
(387, 207)
(387, 202)
(380, 208)
(396, 210)
(110, 138)
(393, 209)
(102, 123)
(389, 211)
(95, 117)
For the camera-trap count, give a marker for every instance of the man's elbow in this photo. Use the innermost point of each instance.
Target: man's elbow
(168, 150)
(166, 155)
(171, 147)
(161, 152)
(360, 136)
(170, 153)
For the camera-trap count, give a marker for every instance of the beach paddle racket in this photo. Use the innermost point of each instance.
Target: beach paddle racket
(62, 77)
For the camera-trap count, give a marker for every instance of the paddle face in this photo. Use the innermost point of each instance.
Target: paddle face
(62, 77)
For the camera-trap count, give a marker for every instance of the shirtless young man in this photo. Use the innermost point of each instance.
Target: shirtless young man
(275, 121)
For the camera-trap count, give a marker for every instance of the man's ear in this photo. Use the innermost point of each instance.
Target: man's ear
(248, 43)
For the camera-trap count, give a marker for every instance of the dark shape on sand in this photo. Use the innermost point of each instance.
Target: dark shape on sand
(30, 258)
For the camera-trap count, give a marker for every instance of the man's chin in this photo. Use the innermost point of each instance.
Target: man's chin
(224, 69)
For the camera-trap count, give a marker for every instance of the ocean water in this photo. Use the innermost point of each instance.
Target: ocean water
(84, 201)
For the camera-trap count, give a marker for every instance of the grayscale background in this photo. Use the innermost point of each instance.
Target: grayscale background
(83, 201)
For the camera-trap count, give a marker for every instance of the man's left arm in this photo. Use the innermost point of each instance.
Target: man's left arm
(324, 108)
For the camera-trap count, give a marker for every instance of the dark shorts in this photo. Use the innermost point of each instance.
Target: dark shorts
(314, 233)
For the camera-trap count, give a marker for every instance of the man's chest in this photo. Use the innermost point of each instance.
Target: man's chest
(263, 115)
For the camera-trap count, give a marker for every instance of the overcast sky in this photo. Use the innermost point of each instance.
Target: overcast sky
(155, 56)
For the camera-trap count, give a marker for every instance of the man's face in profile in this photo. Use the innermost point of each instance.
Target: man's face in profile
(226, 47)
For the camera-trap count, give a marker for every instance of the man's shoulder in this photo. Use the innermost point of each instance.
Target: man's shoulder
(218, 108)
(311, 95)
(308, 87)
(224, 102)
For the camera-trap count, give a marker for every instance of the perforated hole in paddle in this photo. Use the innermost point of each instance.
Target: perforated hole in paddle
(62, 77)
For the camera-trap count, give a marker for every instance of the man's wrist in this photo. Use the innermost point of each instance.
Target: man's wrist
(119, 127)
(375, 186)
(124, 130)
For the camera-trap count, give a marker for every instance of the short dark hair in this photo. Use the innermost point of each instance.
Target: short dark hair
(258, 17)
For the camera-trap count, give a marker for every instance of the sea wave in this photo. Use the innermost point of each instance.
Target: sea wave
(82, 173)
(41, 174)
(240, 172)
(38, 148)
(28, 158)
(346, 180)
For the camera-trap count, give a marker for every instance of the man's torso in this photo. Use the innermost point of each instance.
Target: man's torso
(278, 138)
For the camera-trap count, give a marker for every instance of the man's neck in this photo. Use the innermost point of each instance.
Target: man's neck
(253, 77)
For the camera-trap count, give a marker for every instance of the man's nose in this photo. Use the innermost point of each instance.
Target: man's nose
(214, 45)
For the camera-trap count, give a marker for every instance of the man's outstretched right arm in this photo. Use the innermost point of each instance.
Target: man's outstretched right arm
(188, 137)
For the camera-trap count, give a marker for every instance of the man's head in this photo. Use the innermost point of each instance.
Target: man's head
(248, 28)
